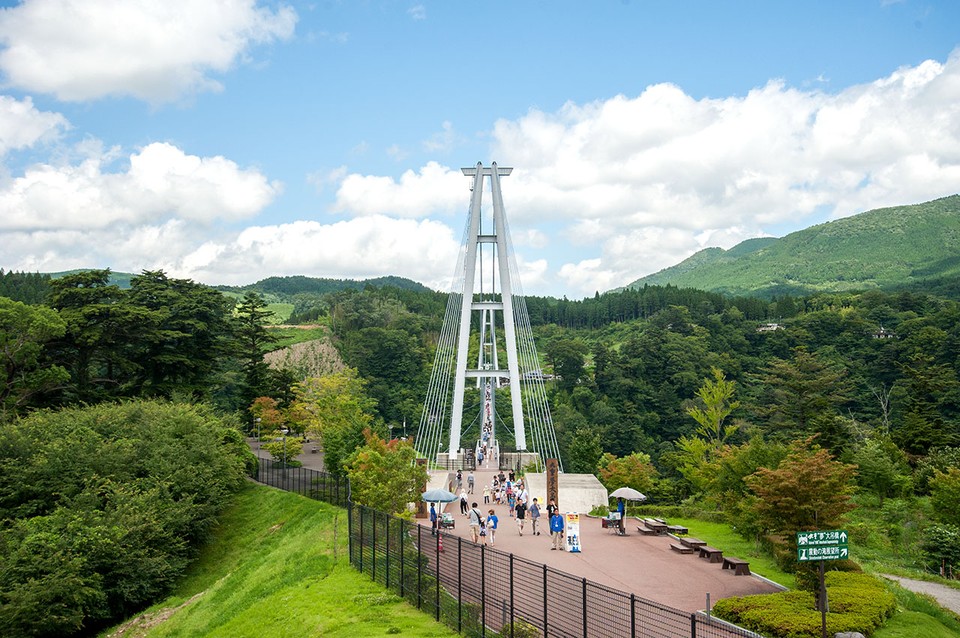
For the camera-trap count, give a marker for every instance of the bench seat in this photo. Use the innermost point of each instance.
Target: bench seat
(712, 554)
(682, 549)
(739, 567)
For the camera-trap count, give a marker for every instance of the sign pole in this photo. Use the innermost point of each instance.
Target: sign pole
(823, 603)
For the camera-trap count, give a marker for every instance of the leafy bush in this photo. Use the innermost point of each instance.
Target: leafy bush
(103, 507)
(941, 548)
(858, 602)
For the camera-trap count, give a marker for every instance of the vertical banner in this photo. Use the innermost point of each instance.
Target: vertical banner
(421, 505)
(573, 532)
(553, 481)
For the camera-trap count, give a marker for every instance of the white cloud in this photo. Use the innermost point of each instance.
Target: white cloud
(418, 12)
(425, 251)
(653, 178)
(22, 125)
(435, 189)
(443, 141)
(160, 181)
(156, 51)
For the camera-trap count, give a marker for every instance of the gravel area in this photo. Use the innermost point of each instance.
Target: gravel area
(948, 597)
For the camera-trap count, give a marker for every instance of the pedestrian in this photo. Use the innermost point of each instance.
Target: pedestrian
(433, 520)
(476, 520)
(486, 494)
(470, 482)
(463, 502)
(459, 480)
(521, 516)
(492, 522)
(551, 508)
(556, 529)
(534, 517)
(511, 500)
(512, 476)
(622, 510)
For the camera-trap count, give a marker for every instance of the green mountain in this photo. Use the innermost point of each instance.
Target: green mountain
(888, 248)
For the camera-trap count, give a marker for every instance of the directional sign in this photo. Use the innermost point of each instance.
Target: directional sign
(822, 538)
(827, 552)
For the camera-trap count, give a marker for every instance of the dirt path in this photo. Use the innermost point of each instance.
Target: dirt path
(948, 597)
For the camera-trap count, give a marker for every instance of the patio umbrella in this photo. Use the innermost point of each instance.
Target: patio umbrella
(628, 493)
(439, 496)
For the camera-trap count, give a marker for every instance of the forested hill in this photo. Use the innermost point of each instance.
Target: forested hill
(888, 248)
(300, 284)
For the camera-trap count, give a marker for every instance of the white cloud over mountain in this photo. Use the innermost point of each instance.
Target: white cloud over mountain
(602, 192)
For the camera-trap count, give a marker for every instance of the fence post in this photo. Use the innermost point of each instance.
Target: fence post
(693, 625)
(373, 549)
(419, 567)
(386, 551)
(584, 581)
(403, 532)
(544, 601)
(511, 596)
(350, 531)
(459, 584)
(437, 570)
(483, 590)
(633, 615)
(361, 537)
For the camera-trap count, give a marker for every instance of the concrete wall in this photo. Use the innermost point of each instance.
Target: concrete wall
(578, 492)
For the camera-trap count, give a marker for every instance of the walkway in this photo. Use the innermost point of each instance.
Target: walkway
(946, 596)
(643, 565)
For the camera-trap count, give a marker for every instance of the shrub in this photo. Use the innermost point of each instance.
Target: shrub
(858, 602)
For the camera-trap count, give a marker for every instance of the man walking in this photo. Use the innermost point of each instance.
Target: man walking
(535, 517)
(470, 482)
(476, 520)
(521, 509)
(556, 529)
(433, 520)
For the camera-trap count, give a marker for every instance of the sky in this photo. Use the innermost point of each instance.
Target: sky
(228, 141)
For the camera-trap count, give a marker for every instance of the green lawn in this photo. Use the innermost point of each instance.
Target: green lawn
(722, 536)
(286, 337)
(277, 566)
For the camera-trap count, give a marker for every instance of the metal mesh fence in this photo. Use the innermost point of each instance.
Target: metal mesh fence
(481, 591)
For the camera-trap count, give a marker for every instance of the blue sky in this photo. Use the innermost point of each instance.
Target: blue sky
(231, 141)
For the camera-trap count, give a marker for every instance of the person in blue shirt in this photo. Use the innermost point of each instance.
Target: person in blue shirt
(492, 522)
(622, 510)
(556, 529)
(433, 519)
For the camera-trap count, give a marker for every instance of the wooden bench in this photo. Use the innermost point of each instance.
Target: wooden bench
(655, 525)
(679, 530)
(314, 449)
(712, 554)
(692, 542)
(646, 531)
(739, 567)
(682, 549)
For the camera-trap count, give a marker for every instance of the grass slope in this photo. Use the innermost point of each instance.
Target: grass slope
(277, 566)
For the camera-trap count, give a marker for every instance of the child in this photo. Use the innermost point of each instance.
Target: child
(511, 502)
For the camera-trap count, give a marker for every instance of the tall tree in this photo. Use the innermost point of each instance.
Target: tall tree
(716, 398)
(384, 476)
(96, 348)
(24, 331)
(335, 409)
(186, 331)
(253, 339)
(808, 490)
(803, 396)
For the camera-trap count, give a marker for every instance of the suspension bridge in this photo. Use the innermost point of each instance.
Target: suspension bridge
(460, 423)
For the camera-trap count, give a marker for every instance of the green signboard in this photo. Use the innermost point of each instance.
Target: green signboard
(827, 552)
(821, 538)
(822, 545)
